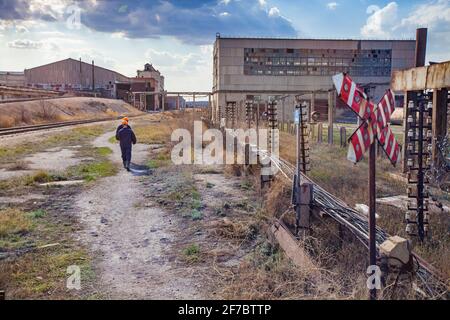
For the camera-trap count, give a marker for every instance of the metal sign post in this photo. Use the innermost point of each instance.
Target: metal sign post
(372, 210)
(375, 126)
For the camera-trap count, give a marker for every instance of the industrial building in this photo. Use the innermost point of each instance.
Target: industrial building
(76, 76)
(12, 78)
(261, 69)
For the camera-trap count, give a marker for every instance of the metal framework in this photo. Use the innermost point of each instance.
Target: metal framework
(419, 150)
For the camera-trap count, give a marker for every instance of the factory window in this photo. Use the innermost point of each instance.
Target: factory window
(317, 62)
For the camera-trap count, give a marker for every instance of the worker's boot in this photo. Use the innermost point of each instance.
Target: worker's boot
(124, 164)
(127, 165)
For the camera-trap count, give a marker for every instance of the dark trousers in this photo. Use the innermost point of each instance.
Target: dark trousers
(126, 154)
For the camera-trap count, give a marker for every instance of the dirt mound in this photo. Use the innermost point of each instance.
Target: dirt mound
(62, 109)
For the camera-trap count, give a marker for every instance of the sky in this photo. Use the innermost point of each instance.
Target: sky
(177, 36)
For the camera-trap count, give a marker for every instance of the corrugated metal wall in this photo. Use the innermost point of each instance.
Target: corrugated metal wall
(71, 73)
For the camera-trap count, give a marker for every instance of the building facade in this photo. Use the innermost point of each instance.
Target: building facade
(150, 72)
(265, 69)
(71, 74)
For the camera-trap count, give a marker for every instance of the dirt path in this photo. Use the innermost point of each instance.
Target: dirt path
(131, 239)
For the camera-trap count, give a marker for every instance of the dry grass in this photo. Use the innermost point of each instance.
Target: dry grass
(33, 272)
(331, 170)
(13, 221)
(268, 274)
(7, 121)
(74, 108)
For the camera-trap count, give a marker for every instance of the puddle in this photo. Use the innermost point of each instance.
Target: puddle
(139, 170)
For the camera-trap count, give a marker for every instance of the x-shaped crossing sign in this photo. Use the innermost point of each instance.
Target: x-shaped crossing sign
(375, 120)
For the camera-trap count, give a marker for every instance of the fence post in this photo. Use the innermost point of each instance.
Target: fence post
(312, 133)
(331, 111)
(343, 136)
(319, 132)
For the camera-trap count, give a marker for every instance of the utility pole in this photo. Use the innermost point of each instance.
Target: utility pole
(372, 210)
(93, 79)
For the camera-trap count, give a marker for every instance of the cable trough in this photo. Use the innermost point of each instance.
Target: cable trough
(430, 282)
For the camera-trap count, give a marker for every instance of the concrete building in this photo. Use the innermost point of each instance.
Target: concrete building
(262, 69)
(12, 78)
(74, 75)
(147, 80)
(150, 72)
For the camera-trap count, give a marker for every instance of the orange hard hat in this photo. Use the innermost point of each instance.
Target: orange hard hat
(125, 119)
(124, 122)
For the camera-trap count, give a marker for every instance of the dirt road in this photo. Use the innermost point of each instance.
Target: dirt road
(130, 238)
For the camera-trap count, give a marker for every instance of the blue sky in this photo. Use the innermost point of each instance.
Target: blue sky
(177, 35)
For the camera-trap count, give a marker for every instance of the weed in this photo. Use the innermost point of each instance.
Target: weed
(40, 177)
(37, 214)
(13, 221)
(113, 140)
(103, 151)
(246, 185)
(192, 253)
(196, 215)
(93, 171)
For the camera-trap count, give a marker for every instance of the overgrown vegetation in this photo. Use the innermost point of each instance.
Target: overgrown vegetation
(41, 251)
(331, 170)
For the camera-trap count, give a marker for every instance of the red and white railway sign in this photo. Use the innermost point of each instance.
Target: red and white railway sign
(375, 120)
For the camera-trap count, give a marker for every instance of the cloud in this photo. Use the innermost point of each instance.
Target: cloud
(332, 5)
(274, 12)
(381, 21)
(25, 44)
(194, 22)
(21, 29)
(434, 15)
(47, 10)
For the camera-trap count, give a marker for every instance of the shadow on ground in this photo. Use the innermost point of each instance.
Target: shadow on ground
(139, 170)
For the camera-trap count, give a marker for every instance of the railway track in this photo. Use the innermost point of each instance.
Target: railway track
(39, 127)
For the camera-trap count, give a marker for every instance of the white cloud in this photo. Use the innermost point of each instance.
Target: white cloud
(372, 8)
(274, 12)
(381, 21)
(225, 2)
(224, 14)
(435, 16)
(429, 15)
(332, 5)
(21, 29)
(25, 44)
(262, 3)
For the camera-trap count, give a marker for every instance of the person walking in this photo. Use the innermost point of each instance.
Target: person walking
(127, 138)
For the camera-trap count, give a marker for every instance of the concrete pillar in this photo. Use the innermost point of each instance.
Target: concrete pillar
(312, 106)
(178, 102)
(163, 101)
(331, 112)
(210, 110)
(409, 95)
(439, 119)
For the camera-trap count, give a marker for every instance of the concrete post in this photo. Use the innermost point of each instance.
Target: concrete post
(312, 106)
(319, 132)
(439, 118)
(331, 111)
